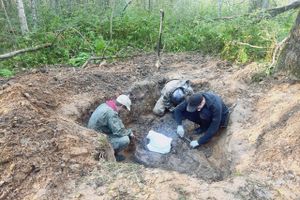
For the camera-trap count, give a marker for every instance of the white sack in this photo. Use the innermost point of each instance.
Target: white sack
(158, 142)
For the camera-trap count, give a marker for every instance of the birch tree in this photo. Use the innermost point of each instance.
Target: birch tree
(34, 15)
(22, 17)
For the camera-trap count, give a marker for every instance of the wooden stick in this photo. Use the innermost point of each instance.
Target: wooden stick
(158, 62)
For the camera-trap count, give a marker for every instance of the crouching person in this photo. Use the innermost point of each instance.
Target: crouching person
(105, 119)
(173, 93)
(205, 109)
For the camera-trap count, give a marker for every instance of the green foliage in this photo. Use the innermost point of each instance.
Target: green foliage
(100, 44)
(85, 31)
(6, 72)
(79, 60)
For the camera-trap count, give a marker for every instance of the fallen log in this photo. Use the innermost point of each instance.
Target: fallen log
(266, 13)
(276, 11)
(14, 53)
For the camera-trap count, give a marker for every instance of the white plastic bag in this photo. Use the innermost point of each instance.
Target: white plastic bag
(158, 142)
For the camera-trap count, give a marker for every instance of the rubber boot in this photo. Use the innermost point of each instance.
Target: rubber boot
(119, 157)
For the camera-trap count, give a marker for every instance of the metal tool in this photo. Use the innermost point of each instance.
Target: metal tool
(185, 139)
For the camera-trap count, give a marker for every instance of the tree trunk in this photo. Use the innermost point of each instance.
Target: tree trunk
(111, 18)
(22, 17)
(6, 5)
(220, 8)
(258, 4)
(56, 6)
(289, 59)
(70, 6)
(7, 18)
(34, 15)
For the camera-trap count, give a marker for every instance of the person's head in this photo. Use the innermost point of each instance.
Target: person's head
(195, 102)
(123, 101)
(177, 96)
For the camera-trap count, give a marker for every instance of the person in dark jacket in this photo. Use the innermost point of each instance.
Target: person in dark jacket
(206, 109)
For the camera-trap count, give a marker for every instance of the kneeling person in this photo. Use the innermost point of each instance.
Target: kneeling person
(106, 119)
(173, 93)
(206, 109)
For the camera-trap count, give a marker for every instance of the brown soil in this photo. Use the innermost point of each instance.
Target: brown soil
(47, 153)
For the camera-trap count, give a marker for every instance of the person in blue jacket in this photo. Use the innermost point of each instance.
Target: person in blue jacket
(206, 109)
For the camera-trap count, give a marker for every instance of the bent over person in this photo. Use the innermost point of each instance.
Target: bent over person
(105, 119)
(173, 93)
(206, 109)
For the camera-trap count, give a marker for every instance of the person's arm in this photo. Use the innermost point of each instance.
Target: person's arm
(178, 112)
(116, 125)
(159, 108)
(214, 125)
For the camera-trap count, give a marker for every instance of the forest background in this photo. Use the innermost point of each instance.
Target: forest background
(72, 31)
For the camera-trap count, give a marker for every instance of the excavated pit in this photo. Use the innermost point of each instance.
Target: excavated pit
(47, 153)
(200, 162)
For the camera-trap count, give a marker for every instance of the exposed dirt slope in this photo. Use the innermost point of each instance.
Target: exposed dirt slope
(47, 153)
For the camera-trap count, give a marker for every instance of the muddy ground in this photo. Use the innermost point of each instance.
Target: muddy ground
(47, 153)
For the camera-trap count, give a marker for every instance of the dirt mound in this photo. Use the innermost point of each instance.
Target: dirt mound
(47, 153)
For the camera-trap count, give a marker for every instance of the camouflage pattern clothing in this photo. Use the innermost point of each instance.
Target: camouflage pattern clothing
(104, 119)
(164, 102)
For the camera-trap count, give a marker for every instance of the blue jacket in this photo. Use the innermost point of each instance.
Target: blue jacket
(211, 117)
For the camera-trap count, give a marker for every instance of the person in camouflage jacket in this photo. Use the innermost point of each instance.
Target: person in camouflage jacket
(173, 93)
(106, 119)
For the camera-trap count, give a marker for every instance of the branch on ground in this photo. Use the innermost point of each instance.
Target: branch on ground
(107, 57)
(14, 53)
(46, 45)
(249, 45)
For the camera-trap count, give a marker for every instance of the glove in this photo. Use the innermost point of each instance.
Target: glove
(131, 135)
(180, 131)
(194, 144)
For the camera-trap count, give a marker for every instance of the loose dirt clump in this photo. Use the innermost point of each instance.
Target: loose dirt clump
(48, 153)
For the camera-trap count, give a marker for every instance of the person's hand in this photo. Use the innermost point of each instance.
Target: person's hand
(180, 131)
(194, 144)
(131, 135)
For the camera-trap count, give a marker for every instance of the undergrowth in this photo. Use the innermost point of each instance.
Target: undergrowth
(78, 35)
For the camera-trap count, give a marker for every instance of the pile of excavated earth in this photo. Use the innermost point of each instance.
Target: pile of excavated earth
(48, 153)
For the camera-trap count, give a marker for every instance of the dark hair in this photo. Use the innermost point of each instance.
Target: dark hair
(194, 101)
